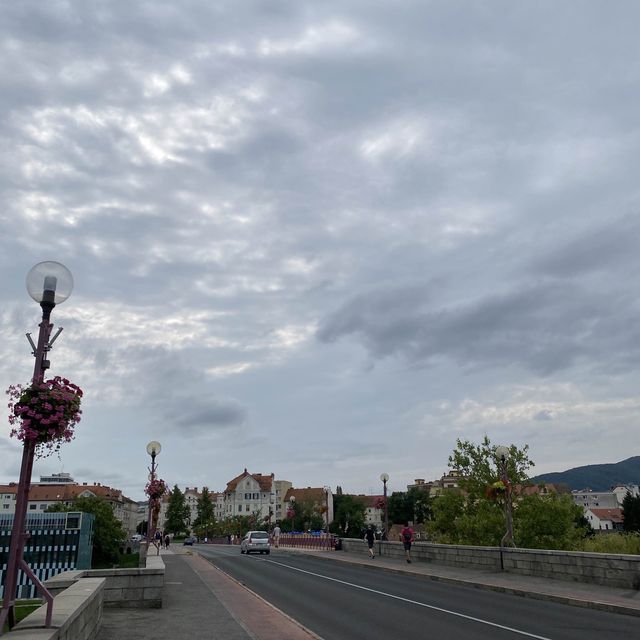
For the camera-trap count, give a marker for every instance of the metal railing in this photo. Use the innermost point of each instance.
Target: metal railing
(322, 541)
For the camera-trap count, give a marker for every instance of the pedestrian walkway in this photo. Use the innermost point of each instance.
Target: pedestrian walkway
(626, 601)
(200, 601)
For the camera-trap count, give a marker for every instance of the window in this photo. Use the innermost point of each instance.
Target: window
(32, 507)
(5, 506)
(256, 496)
(239, 508)
(247, 496)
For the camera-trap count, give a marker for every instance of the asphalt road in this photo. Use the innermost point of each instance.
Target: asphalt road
(344, 602)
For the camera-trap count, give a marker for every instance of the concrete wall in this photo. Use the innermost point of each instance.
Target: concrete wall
(77, 614)
(612, 570)
(126, 588)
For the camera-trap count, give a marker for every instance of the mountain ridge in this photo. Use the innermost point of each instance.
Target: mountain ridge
(597, 477)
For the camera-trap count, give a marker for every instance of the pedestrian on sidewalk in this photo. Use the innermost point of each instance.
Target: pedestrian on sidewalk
(157, 541)
(167, 541)
(276, 536)
(406, 537)
(369, 538)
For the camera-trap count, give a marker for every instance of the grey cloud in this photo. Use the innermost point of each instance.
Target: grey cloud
(541, 328)
(544, 415)
(199, 415)
(444, 185)
(607, 247)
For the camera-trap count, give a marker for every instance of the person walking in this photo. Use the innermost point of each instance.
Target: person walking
(167, 541)
(369, 538)
(276, 536)
(406, 537)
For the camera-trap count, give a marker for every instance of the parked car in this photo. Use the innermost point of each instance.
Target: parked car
(255, 541)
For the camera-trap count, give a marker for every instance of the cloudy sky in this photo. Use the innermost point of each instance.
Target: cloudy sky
(325, 239)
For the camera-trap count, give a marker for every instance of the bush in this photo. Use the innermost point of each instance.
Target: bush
(613, 543)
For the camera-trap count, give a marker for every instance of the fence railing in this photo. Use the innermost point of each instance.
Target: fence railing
(326, 541)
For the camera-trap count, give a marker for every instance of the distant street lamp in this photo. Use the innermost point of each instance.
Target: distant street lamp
(49, 284)
(153, 449)
(502, 454)
(385, 478)
(292, 505)
(327, 491)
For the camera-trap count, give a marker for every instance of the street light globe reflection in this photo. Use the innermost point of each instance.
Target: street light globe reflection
(49, 282)
(154, 448)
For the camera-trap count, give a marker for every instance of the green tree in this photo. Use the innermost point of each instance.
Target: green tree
(205, 517)
(478, 466)
(398, 508)
(548, 522)
(349, 515)
(413, 505)
(178, 513)
(631, 512)
(448, 509)
(108, 533)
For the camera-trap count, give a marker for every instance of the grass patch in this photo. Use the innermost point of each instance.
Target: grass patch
(125, 561)
(22, 609)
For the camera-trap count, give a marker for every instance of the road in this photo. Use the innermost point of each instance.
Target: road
(338, 601)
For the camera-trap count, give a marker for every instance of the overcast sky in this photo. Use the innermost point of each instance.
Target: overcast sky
(325, 239)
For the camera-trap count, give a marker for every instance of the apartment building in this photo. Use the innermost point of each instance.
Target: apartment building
(42, 496)
(251, 494)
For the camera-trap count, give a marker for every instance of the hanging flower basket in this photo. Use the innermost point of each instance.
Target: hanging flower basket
(45, 412)
(379, 503)
(495, 490)
(155, 489)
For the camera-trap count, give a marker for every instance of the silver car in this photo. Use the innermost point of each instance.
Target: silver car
(257, 541)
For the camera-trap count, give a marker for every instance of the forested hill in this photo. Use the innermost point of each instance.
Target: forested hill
(598, 477)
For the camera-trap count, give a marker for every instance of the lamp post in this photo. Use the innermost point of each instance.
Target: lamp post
(49, 284)
(327, 491)
(292, 505)
(153, 449)
(502, 454)
(385, 478)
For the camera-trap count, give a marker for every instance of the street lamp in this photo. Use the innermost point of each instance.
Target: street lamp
(502, 454)
(385, 478)
(153, 449)
(292, 504)
(327, 491)
(49, 284)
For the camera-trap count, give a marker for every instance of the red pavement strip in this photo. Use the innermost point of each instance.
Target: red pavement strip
(258, 617)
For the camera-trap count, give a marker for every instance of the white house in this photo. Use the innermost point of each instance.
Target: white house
(605, 519)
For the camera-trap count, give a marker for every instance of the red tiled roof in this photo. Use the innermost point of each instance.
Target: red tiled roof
(615, 515)
(310, 494)
(265, 482)
(66, 492)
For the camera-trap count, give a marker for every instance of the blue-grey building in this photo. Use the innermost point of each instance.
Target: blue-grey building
(57, 542)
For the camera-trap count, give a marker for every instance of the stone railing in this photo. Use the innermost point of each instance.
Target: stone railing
(79, 597)
(77, 614)
(125, 588)
(612, 570)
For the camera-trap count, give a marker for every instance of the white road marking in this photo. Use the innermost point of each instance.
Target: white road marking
(420, 604)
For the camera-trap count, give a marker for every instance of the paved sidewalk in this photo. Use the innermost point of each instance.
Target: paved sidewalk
(201, 602)
(626, 601)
